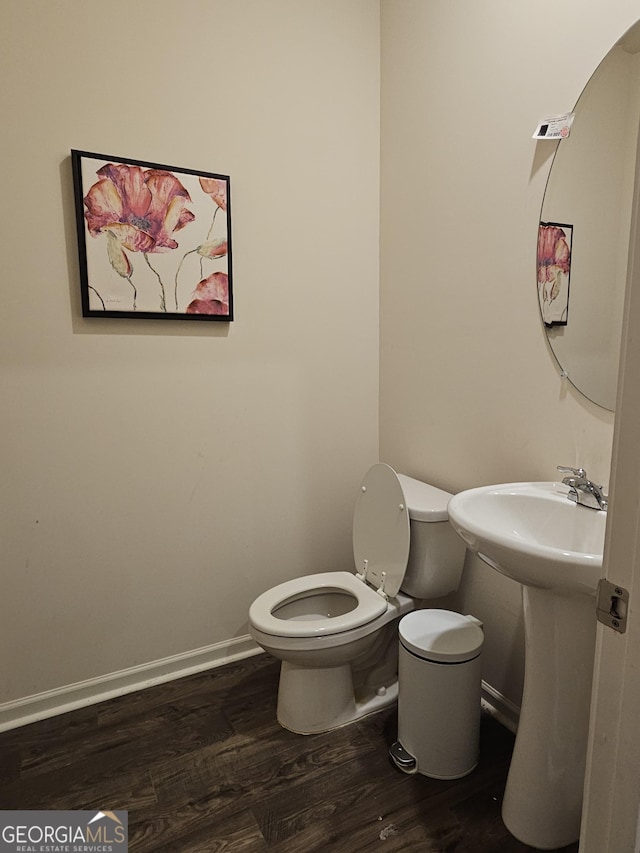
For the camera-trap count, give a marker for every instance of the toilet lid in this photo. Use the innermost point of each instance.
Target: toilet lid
(381, 534)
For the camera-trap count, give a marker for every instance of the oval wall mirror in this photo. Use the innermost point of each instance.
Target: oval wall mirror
(583, 241)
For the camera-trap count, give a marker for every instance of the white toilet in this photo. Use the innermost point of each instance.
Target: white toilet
(336, 633)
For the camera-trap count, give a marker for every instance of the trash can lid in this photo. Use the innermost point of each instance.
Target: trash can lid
(441, 635)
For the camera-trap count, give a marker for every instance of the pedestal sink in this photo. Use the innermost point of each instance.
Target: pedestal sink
(535, 535)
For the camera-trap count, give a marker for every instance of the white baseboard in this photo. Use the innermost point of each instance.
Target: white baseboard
(21, 712)
(500, 707)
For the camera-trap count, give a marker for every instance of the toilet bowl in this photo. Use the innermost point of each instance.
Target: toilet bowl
(336, 633)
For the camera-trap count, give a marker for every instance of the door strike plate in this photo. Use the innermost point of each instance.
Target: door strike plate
(612, 605)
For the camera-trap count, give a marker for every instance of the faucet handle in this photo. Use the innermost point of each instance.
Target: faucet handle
(577, 472)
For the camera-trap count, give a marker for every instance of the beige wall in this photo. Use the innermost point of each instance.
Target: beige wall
(469, 392)
(157, 477)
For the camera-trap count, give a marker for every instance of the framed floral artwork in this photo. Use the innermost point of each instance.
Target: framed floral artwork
(154, 241)
(554, 271)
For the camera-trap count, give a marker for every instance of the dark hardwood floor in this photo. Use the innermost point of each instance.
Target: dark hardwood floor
(201, 765)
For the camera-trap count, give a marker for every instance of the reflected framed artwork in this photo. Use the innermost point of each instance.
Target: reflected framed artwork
(154, 241)
(554, 271)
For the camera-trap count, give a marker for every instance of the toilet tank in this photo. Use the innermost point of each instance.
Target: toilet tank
(436, 553)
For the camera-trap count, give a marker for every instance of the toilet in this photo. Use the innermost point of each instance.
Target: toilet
(336, 633)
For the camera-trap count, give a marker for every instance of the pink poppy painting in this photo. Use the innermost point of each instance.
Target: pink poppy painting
(554, 268)
(154, 241)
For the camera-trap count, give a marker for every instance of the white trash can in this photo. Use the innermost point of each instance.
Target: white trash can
(439, 682)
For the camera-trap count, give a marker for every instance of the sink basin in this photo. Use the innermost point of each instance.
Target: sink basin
(533, 533)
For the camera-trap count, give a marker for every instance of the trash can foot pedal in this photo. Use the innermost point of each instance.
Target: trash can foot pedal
(402, 759)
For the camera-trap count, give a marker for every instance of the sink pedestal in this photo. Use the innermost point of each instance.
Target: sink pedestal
(542, 804)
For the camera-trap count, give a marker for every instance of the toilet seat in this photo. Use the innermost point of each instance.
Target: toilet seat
(381, 541)
(368, 606)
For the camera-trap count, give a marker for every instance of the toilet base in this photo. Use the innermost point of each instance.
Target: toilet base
(319, 699)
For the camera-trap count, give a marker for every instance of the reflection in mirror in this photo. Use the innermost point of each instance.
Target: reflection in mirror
(589, 195)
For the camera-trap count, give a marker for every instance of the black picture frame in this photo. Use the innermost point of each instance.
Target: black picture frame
(154, 241)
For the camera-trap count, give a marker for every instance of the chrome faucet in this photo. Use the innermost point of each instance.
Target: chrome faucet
(582, 490)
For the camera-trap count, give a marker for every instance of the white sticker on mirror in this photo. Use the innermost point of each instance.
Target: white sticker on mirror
(556, 127)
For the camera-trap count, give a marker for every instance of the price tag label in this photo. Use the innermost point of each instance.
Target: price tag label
(556, 127)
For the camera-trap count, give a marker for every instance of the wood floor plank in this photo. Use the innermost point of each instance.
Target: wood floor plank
(237, 833)
(76, 788)
(47, 741)
(215, 814)
(138, 743)
(299, 762)
(391, 836)
(10, 763)
(214, 688)
(188, 777)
